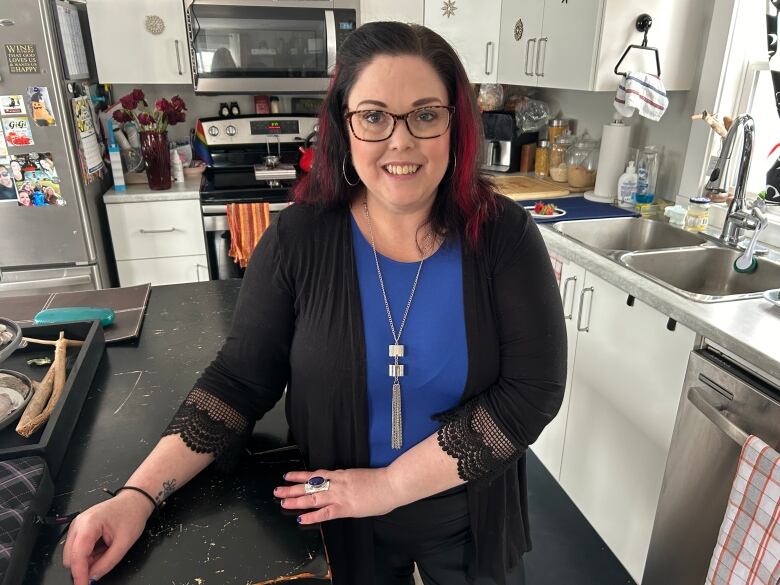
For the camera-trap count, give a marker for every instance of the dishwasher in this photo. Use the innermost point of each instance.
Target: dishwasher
(721, 404)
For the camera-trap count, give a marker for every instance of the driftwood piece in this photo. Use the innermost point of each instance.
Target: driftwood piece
(713, 122)
(58, 383)
(39, 400)
(71, 342)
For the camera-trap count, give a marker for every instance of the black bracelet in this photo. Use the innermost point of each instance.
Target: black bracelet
(140, 491)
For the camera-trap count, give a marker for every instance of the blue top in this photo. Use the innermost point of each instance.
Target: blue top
(434, 340)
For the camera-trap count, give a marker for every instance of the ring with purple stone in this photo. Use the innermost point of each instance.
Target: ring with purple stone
(316, 484)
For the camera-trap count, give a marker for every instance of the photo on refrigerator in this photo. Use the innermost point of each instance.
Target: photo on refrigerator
(40, 182)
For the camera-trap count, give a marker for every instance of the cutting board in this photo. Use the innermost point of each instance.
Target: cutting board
(522, 188)
(581, 208)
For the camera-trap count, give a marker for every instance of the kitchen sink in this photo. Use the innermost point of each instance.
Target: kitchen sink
(627, 234)
(704, 274)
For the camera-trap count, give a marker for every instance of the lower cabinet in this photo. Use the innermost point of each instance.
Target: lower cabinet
(160, 242)
(608, 445)
(158, 271)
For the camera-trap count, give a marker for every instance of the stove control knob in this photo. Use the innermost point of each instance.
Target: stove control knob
(213, 130)
(231, 130)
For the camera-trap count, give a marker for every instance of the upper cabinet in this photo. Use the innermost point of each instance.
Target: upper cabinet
(139, 41)
(409, 11)
(576, 45)
(472, 27)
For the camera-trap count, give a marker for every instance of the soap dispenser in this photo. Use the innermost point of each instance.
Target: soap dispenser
(626, 186)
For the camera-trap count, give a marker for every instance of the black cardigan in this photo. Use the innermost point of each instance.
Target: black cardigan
(298, 322)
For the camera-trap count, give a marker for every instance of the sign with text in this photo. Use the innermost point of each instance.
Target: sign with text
(22, 58)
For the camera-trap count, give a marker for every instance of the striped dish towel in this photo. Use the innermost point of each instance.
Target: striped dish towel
(247, 222)
(643, 93)
(748, 547)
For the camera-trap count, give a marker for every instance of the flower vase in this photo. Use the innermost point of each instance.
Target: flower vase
(154, 147)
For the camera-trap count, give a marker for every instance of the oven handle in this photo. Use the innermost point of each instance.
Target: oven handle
(715, 414)
(222, 209)
(330, 36)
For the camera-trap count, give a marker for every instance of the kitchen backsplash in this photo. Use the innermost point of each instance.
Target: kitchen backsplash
(198, 106)
(591, 110)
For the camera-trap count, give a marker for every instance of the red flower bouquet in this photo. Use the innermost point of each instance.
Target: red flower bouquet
(165, 113)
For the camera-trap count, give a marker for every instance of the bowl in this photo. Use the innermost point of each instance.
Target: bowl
(195, 170)
(7, 349)
(25, 395)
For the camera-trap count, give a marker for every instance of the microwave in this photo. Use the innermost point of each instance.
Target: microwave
(266, 46)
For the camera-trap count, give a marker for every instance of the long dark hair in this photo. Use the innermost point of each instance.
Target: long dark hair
(465, 199)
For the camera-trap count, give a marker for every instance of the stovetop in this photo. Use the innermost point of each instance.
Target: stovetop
(237, 184)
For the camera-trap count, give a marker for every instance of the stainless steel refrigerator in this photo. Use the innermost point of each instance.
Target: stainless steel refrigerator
(57, 245)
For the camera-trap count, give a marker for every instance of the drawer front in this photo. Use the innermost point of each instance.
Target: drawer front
(156, 229)
(163, 270)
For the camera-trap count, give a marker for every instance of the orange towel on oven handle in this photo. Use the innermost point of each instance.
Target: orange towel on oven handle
(247, 222)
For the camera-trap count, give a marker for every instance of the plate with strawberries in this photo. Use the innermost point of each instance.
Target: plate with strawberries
(542, 210)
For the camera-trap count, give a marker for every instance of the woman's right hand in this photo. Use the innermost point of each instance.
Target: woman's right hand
(100, 536)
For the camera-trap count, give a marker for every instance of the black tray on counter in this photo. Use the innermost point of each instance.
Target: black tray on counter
(51, 441)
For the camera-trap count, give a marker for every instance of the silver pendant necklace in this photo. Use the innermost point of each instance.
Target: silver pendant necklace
(396, 350)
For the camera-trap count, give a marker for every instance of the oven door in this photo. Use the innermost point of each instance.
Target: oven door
(245, 46)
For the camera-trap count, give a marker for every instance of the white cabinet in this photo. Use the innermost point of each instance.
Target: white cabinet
(409, 11)
(161, 242)
(627, 377)
(576, 45)
(472, 28)
(139, 41)
(549, 446)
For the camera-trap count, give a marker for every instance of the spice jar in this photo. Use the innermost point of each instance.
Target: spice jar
(542, 163)
(581, 163)
(558, 153)
(698, 215)
(556, 128)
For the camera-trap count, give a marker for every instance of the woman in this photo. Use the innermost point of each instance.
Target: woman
(7, 189)
(24, 199)
(399, 259)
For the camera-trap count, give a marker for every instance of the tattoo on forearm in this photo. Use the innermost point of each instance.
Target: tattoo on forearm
(168, 488)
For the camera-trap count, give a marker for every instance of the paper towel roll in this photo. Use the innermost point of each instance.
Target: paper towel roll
(612, 161)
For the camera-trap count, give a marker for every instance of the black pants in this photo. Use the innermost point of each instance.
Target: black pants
(435, 534)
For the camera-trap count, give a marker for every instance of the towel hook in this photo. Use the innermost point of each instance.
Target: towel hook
(643, 24)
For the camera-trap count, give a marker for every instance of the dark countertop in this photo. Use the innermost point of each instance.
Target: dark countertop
(219, 528)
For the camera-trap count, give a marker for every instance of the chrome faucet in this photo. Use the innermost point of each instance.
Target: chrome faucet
(737, 218)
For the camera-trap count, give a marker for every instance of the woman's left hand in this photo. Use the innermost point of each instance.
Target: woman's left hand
(353, 493)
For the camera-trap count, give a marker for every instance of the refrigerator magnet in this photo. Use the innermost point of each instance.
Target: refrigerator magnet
(12, 105)
(22, 58)
(7, 184)
(17, 131)
(40, 182)
(40, 106)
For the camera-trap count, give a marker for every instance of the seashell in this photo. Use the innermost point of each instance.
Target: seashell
(10, 382)
(10, 400)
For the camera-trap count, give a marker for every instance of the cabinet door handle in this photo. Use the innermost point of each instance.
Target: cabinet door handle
(528, 53)
(590, 308)
(489, 57)
(539, 56)
(162, 231)
(566, 283)
(197, 270)
(178, 58)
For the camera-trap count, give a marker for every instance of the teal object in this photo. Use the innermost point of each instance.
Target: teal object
(64, 314)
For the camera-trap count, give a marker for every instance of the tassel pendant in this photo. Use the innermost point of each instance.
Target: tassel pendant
(397, 424)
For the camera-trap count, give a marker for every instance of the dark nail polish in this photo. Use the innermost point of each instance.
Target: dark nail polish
(298, 519)
(276, 490)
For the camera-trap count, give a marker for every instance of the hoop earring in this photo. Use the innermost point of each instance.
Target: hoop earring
(454, 165)
(344, 172)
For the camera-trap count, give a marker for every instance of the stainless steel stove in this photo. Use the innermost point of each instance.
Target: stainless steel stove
(255, 159)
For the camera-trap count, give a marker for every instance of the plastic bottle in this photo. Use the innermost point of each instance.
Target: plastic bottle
(176, 166)
(647, 171)
(626, 186)
(116, 159)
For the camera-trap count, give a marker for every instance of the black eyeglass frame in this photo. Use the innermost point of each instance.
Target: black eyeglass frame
(404, 117)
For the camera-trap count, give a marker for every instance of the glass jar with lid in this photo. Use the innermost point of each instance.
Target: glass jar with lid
(698, 215)
(558, 153)
(542, 160)
(556, 128)
(582, 161)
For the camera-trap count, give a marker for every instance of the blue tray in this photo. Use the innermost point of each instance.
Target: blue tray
(581, 208)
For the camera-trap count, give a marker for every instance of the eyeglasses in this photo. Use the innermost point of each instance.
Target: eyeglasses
(5, 174)
(377, 125)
